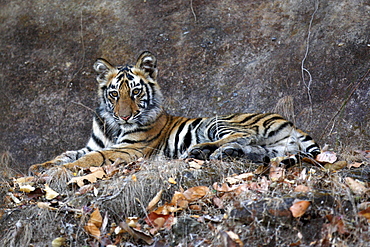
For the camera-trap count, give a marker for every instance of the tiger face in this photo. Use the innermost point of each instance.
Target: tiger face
(130, 94)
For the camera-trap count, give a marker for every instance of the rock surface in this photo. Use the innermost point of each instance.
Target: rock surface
(225, 56)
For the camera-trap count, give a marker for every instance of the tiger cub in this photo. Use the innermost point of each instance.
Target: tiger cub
(130, 123)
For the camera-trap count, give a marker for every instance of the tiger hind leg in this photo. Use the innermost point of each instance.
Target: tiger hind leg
(235, 150)
(205, 150)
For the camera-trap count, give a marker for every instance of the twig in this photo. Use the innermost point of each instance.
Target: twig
(192, 10)
(303, 69)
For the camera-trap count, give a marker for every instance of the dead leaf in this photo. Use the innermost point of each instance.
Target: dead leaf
(93, 225)
(93, 230)
(337, 224)
(179, 200)
(45, 205)
(237, 189)
(195, 164)
(50, 193)
(261, 170)
(154, 201)
(299, 208)
(221, 188)
(14, 198)
(239, 178)
(302, 188)
(235, 238)
(195, 207)
(195, 193)
(136, 233)
(96, 218)
(26, 188)
(355, 165)
(336, 166)
(132, 221)
(356, 186)
(327, 157)
(365, 213)
(96, 172)
(84, 189)
(276, 172)
(23, 180)
(159, 221)
(111, 169)
(58, 242)
(172, 181)
(227, 240)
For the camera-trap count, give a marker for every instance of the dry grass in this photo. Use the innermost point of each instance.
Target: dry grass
(257, 216)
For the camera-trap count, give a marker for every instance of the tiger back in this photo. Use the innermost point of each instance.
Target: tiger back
(130, 123)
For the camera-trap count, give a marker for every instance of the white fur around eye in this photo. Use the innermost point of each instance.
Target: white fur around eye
(101, 67)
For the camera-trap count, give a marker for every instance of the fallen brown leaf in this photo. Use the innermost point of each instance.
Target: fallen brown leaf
(159, 221)
(136, 233)
(302, 188)
(195, 164)
(154, 201)
(195, 207)
(235, 238)
(327, 157)
(96, 172)
(58, 242)
(336, 166)
(299, 208)
(355, 165)
(239, 178)
(195, 193)
(179, 200)
(50, 193)
(45, 205)
(276, 172)
(93, 225)
(218, 202)
(26, 188)
(337, 224)
(365, 213)
(222, 188)
(356, 186)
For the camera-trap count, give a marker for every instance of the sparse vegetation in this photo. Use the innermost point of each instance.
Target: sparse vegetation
(190, 203)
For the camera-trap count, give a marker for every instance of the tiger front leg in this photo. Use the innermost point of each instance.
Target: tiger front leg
(98, 158)
(66, 157)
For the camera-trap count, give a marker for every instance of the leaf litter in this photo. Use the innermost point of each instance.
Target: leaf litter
(191, 202)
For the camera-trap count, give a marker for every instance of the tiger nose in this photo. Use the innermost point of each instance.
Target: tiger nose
(125, 117)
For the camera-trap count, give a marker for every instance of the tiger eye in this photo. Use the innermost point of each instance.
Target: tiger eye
(136, 91)
(113, 94)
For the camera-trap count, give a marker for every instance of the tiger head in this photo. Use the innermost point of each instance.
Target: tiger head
(129, 94)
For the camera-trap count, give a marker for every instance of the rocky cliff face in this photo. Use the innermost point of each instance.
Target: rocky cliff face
(225, 56)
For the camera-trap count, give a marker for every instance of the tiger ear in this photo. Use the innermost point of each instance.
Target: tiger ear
(148, 63)
(102, 66)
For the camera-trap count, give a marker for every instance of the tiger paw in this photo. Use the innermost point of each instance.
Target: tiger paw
(40, 168)
(230, 150)
(200, 152)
